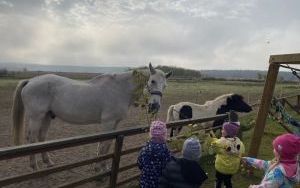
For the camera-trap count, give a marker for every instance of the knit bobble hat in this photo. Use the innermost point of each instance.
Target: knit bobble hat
(158, 132)
(287, 146)
(231, 128)
(191, 149)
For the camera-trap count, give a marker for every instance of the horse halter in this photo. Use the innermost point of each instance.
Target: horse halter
(159, 93)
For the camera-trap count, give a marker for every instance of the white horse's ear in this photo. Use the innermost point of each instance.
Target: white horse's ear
(152, 70)
(169, 74)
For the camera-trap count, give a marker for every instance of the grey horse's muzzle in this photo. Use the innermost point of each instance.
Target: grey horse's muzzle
(153, 107)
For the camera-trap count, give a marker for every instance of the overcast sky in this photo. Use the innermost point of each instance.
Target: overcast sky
(196, 34)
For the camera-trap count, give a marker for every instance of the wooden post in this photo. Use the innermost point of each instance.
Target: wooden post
(298, 101)
(264, 108)
(283, 102)
(116, 161)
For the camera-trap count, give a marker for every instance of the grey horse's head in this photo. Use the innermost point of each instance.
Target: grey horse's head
(156, 84)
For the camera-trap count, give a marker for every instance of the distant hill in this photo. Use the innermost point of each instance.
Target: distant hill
(178, 72)
(246, 74)
(60, 68)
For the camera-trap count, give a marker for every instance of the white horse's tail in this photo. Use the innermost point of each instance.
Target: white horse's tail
(170, 115)
(18, 113)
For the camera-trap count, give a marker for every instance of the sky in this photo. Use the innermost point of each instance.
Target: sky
(194, 34)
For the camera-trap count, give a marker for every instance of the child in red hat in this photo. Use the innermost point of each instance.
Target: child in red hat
(283, 171)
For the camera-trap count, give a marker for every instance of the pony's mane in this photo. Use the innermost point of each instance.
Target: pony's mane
(219, 98)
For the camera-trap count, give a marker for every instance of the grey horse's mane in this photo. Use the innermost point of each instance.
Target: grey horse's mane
(122, 76)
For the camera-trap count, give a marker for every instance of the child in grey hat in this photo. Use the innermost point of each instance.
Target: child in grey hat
(185, 171)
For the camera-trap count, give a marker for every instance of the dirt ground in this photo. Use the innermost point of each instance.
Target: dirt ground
(60, 129)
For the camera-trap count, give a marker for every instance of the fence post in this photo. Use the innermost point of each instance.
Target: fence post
(116, 161)
(298, 101)
(264, 108)
(283, 102)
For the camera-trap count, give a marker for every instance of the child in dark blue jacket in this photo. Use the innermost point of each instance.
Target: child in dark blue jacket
(154, 156)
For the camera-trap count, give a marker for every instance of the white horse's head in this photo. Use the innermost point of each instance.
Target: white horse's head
(156, 84)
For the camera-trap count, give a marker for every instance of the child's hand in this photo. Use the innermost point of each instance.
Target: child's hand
(212, 134)
(244, 160)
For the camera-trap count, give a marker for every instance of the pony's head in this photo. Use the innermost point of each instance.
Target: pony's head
(236, 102)
(155, 85)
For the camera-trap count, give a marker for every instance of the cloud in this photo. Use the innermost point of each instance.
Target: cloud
(196, 34)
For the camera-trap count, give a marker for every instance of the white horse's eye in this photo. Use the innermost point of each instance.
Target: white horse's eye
(153, 81)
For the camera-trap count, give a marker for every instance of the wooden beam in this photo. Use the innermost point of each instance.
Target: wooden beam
(173, 124)
(292, 106)
(51, 170)
(281, 122)
(134, 177)
(116, 161)
(28, 149)
(84, 180)
(285, 59)
(264, 108)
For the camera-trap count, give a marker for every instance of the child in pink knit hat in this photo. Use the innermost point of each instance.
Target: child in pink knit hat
(158, 132)
(154, 156)
(283, 171)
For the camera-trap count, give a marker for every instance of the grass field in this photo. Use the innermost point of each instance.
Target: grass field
(197, 92)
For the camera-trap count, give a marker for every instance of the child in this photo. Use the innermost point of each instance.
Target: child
(281, 172)
(229, 149)
(154, 156)
(184, 172)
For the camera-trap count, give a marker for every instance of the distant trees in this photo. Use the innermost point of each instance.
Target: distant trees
(3, 72)
(261, 76)
(181, 72)
(178, 72)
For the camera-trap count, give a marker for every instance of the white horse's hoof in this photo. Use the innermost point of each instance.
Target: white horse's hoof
(34, 167)
(101, 167)
(50, 163)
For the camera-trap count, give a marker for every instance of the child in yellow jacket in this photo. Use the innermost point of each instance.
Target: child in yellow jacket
(229, 149)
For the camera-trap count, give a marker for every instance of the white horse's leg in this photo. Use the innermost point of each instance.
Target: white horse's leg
(103, 147)
(42, 137)
(32, 137)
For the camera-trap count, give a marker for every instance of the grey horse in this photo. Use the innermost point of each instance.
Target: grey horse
(105, 99)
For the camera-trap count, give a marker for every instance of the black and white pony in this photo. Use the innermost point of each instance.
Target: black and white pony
(220, 105)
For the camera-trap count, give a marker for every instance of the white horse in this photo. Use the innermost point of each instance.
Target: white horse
(104, 99)
(220, 105)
